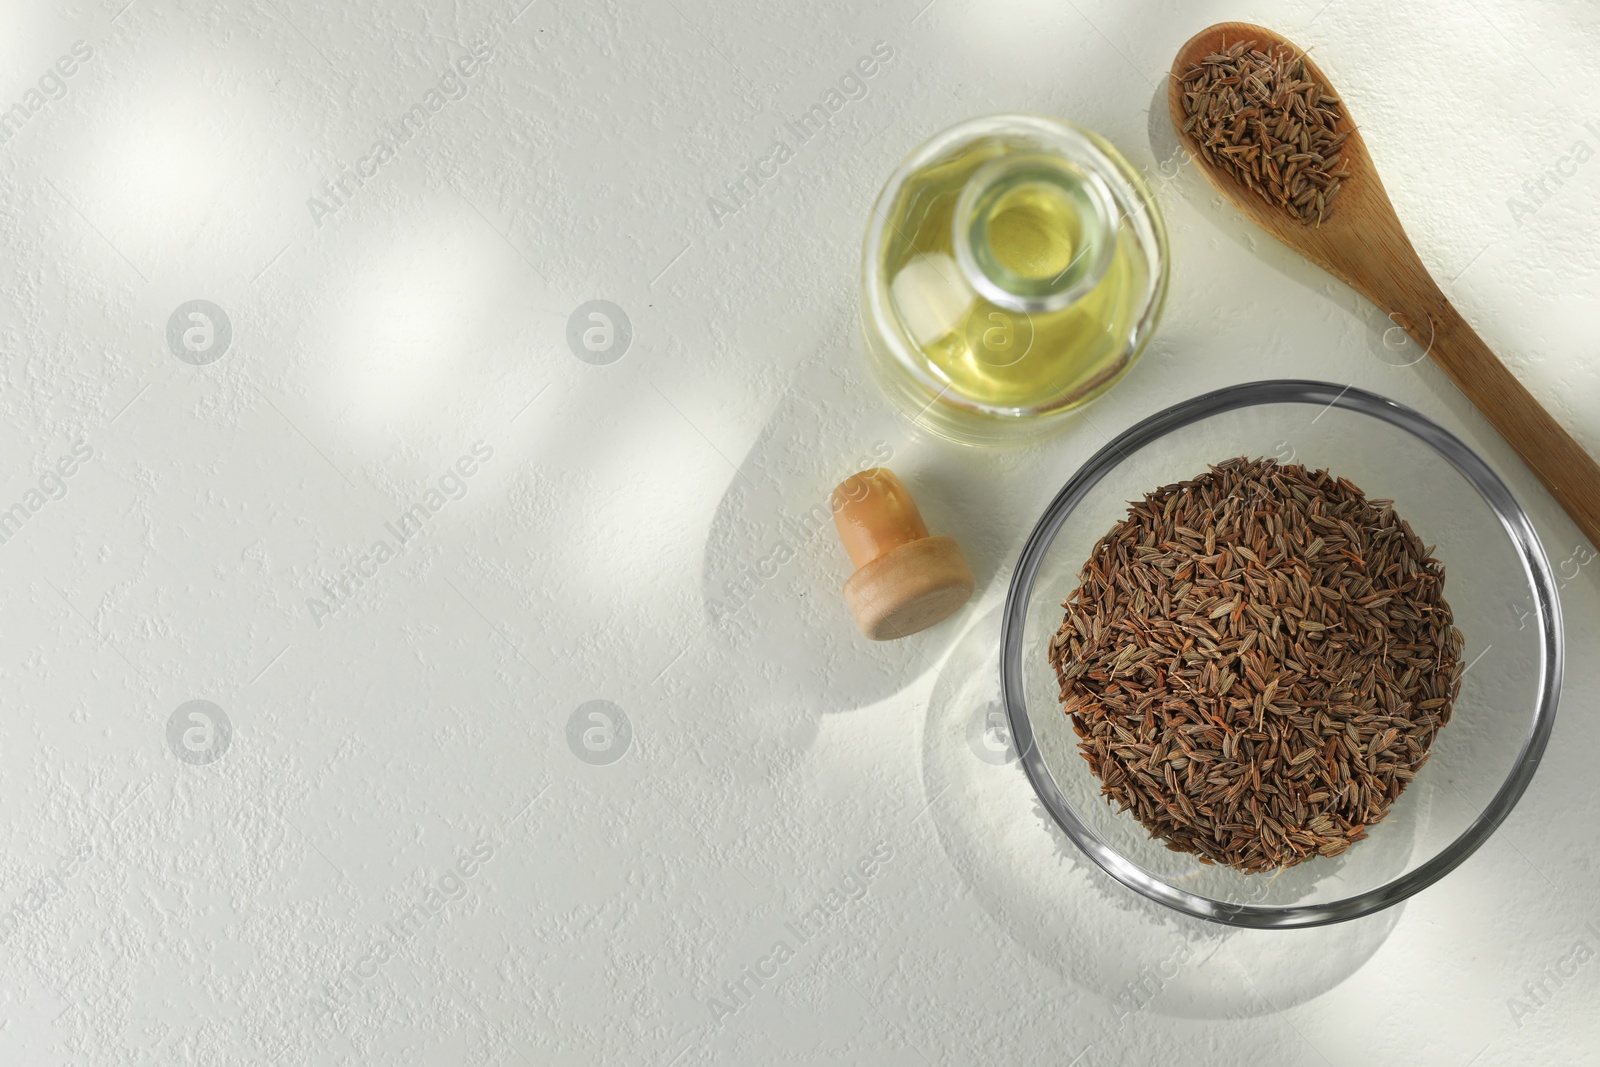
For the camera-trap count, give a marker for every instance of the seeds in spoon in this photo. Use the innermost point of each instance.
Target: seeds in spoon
(1260, 116)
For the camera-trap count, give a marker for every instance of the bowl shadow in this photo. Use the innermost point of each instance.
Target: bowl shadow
(1069, 914)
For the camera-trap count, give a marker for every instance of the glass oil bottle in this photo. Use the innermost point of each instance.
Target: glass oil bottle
(1014, 268)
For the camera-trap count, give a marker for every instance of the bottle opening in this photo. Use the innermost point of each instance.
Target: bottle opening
(1034, 232)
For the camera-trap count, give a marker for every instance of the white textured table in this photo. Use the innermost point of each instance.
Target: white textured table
(397, 834)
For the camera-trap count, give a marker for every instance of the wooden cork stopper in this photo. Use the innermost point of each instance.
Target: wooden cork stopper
(905, 581)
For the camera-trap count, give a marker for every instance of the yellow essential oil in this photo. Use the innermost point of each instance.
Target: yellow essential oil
(1009, 278)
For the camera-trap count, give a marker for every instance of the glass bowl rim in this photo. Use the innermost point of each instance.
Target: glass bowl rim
(1478, 474)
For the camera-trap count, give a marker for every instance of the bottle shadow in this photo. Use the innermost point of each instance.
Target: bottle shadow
(773, 568)
(1106, 940)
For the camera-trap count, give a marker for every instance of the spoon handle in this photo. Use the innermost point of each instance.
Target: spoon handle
(1568, 471)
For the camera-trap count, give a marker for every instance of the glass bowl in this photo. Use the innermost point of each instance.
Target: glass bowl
(1497, 581)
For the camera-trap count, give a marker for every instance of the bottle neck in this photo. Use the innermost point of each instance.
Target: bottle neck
(1034, 232)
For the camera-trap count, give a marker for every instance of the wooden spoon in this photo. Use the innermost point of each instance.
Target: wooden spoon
(1363, 244)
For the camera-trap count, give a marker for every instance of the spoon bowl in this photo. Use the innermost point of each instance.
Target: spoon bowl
(1361, 212)
(1363, 244)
